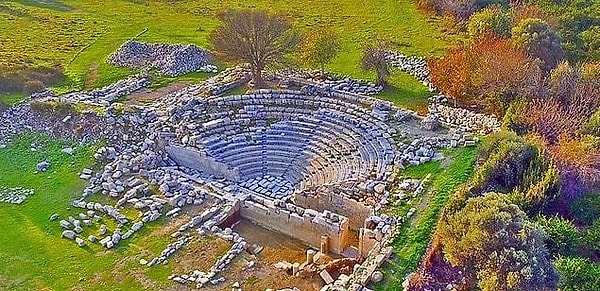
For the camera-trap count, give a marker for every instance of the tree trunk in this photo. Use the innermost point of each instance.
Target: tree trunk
(380, 81)
(257, 77)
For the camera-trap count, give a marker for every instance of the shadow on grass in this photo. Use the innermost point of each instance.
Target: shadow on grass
(49, 4)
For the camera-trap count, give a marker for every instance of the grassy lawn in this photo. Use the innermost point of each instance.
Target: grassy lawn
(405, 91)
(415, 234)
(11, 98)
(33, 256)
(81, 34)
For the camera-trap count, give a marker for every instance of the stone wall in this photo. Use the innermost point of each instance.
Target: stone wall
(307, 227)
(191, 158)
(356, 211)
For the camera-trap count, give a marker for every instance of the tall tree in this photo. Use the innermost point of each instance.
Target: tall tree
(375, 59)
(254, 37)
(319, 47)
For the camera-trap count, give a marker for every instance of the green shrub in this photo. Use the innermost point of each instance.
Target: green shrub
(494, 240)
(592, 126)
(517, 166)
(53, 109)
(578, 273)
(514, 118)
(562, 236)
(586, 209)
(591, 237)
(489, 20)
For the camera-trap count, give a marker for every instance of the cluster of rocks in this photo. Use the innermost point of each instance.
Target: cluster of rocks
(22, 118)
(224, 81)
(203, 278)
(16, 195)
(386, 111)
(274, 187)
(419, 151)
(42, 166)
(381, 225)
(105, 95)
(414, 66)
(171, 249)
(169, 59)
(74, 227)
(93, 215)
(464, 119)
(330, 81)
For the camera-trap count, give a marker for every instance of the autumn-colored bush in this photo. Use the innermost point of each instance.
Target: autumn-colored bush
(488, 71)
(579, 162)
(452, 73)
(503, 72)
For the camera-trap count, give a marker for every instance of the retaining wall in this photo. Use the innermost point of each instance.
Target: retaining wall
(307, 228)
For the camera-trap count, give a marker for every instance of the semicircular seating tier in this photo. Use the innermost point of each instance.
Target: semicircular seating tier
(281, 141)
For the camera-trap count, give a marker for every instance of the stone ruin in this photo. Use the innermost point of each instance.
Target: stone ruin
(169, 59)
(103, 96)
(314, 162)
(15, 195)
(331, 81)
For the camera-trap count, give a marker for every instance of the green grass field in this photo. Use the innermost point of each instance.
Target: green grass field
(32, 254)
(81, 34)
(415, 234)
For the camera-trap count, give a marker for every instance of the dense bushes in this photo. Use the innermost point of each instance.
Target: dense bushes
(586, 209)
(29, 80)
(494, 239)
(489, 20)
(547, 159)
(578, 273)
(458, 8)
(516, 166)
(562, 236)
(489, 71)
(538, 39)
(577, 22)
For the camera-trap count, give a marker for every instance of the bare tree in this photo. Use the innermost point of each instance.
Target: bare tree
(374, 59)
(254, 37)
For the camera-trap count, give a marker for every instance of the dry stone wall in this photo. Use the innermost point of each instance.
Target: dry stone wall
(169, 59)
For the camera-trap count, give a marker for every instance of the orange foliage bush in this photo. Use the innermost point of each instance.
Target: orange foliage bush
(452, 73)
(489, 69)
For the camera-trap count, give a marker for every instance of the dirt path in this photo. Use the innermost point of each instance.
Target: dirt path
(148, 96)
(91, 77)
